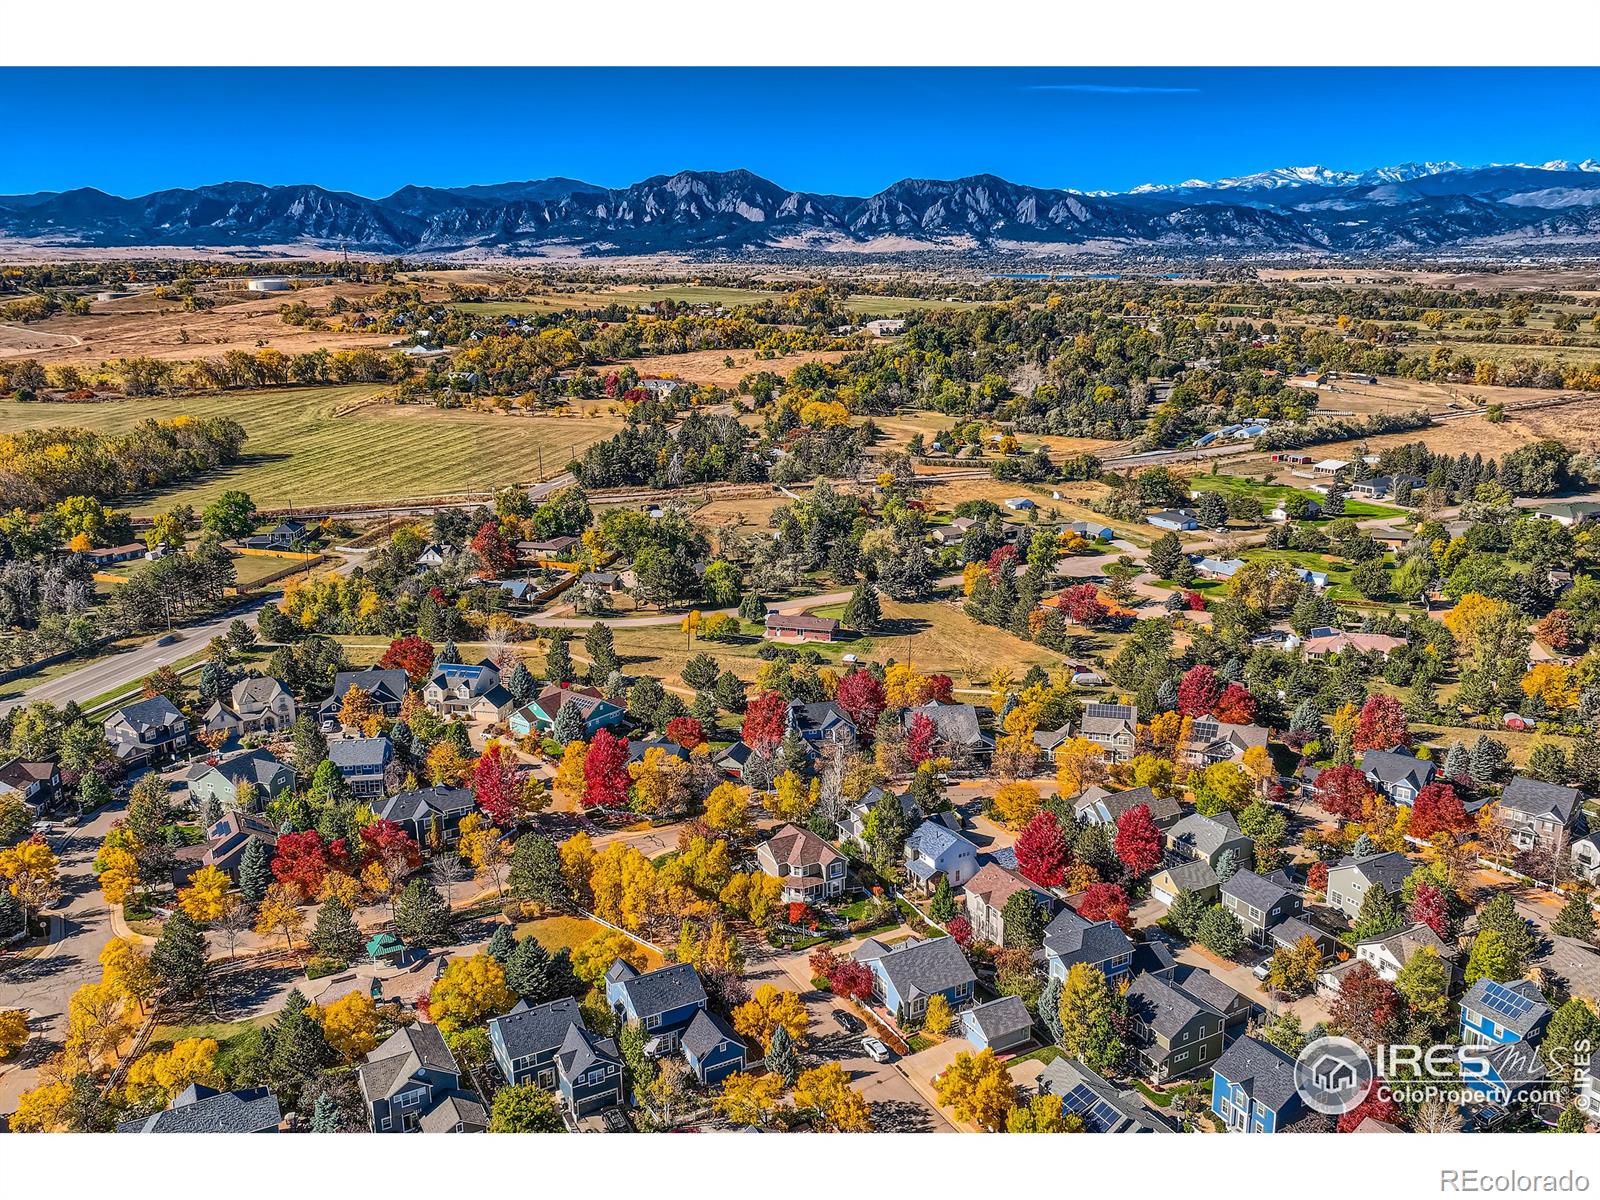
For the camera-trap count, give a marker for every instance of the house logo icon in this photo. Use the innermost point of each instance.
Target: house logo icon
(1333, 1075)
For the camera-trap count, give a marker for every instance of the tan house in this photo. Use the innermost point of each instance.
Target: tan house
(810, 870)
(987, 893)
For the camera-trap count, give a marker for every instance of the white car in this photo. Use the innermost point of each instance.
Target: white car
(1262, 969)
(875, 1049)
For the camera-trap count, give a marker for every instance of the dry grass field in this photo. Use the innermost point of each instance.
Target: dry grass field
(1577, 424)
(710, 366)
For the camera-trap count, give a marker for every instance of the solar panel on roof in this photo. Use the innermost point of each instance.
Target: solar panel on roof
(1500, 999)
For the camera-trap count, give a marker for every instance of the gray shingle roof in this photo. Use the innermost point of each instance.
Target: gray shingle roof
(403, 1053)
(1389, 868)
(1163, 809)
(256, 690)
(926, 967)
(1073, 939)
(1200, 834)
(1193, 876)
(1102, 1106)
(1254, 890)
(413, 805)
(528, 1031)
(153, 711)
(1264, 1071)
(1539, 799)
(933, 839)
(673, 986)
(1164, 1006)
(1109, 719)
(384, 685)
(455, 1108)
(248, 766)
(1396, 766)
(357, 753)
(199, 1109)
(705, 1032)
(1486, 996)
(957, 723)
(999, 1017)
(581, 1050)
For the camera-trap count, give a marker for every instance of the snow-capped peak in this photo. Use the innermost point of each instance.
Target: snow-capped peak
(1309, 176)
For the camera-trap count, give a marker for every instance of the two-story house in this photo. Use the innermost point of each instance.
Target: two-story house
(1389, 953)
(467, 690)
(221, 780)
(1176, 1032)
(36, 784)
(385, 687)
(1397, 775)
(1208, 838)
(1585, 857)
(224, 846)
(1493, 1013)
(712, 1050)
(957, 730)
(822, 726)
(256, 704)
(908, 974)
(664, 1001)
(1213, 741)
(935, 851)
(431, 815)
(1539, 813)
(412, 1084)
(147, 731)
(1071, 939)
(854, 822)
(201, 1109)
(549, 1045)
(1100, 807)
(1114, 727)
(367, 764)
(1260, 901)
(810, 870)
(987, 894)
(1349, 879)
(1103, 1107)
(1253, 1088)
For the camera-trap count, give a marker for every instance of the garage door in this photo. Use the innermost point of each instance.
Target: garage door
(1162, 896)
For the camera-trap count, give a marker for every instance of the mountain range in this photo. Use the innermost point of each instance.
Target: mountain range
(1404, 209)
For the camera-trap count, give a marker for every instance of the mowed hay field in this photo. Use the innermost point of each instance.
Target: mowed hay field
(333, 445)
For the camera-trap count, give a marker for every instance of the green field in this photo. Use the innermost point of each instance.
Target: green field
(1270, 493)
(316, 446)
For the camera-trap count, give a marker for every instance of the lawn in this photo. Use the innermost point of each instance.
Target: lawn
(227, 1035)
(560, 932)
(328, 445)
(1271, 493)
(1337, 569)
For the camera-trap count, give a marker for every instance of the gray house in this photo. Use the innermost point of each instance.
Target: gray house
(550, 1045)
(1207, 839)
(1539, 813)
(1260, 901)
(386, 687)
(221, 780)
(1349, 880)
(367, 765)
(1114, 727)
(199, 1109)
(412, 1084)
(257, 704)
(1398, 775)
(426, 812)
(147, 730)
(1176, 1032)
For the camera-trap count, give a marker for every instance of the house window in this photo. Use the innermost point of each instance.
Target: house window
(653, 1021)
(1205, 1052)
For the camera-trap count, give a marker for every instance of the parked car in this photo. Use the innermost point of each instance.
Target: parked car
(849, 1022)
(1262, 969)
(875, 1050)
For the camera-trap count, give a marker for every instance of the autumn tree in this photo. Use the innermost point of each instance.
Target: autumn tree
(1438, 809)
(525, 1108)
(1138, 842)
(1343, 791)
(470, 991)
(350, 1024)
(1367, 1007)
(1088, 1016)
(767, 1009)
(1042, 851)
(1382, 724)
(826, 1092)
(605, 772)
(208, 896)
(411, 654)
(1105, 902)
(278, 913)
(978, 1089)
(749, 1100)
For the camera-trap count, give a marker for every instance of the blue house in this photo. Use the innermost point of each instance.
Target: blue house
(1070, 939)
(1502, 1073)
(536, 1044)
(712, 1050)
(1493, 1013)
(538, 716)
(1253, 1088)
(664, 1001)
(906, 976)
(998, 1025)
(588, 1071)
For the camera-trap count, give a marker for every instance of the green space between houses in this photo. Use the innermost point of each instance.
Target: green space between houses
(1271, 493)
(1336, 569)
(229, 1036)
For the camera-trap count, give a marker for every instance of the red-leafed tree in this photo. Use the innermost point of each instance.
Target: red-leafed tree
(687, 732)
(921, 735)
(1381, 725)
(1198, 691)
(1138, 842)
(1236, 705)
(936, 687)
(605, 772)
(1438, 808)
(851, 980)
(1317, 877)
(1343, 791)
(302, 861)
(492, 549)
(1106, 902)
(499, 783)
(387, 843)
(1082, 603)
(1003, 555)
(1367, 1008)
(411, 654)
(861, 696)
(1042, 852)
(1194, 602)
(766, 719)
(1556, 629)
(1377, 1105)
(960, 929)
(1430, 907)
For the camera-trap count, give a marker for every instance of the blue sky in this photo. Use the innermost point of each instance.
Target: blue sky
(853, 131)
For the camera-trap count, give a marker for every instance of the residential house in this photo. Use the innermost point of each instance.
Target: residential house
(1389, 953)
(201, 1109)
(712, 1050)
(639, 747)
(1317, 581)
(1539, 813)
(431, 815)
(799, 627)
(1260, 901)
(1092, 531)
(1397, 775)
(1324, 646)
(664, 1001)
(367, 764)
(550, 1046)
(854, 824)
(1237, 1010)
(385, 687)
(1376, 487)
(1071, 939)
(1253, 1088)
(953, 533)
(934, 851)
(1100, 807)
(112, 555)
(811, 870)
(823, 725)
(37, 784)
(288, 534)
(1494, 1013)
(432, 556)
(1209, 838)
(1568, 513)
(1020, 504)
(1178, 520)
(1504, 1072)
(1586, 857)
(1213, 741)
(1115, 727)
(986, 895)
(1182, 878)
(146, 731)
(1288, 933)
(1103, 1106)
(221, 780)
(257, 704)
(1349, 879)
(957, 731)
(553, 552)
(412, 1084)
(1176, 1033)
(907, 975)
(1218, 568)
(998, 1025)
(470, 690)
(539, 715)
(224, 846)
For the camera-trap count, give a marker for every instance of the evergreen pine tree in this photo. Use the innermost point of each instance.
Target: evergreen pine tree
(863, 613)
(93, 792)
(299, 1051)
(11, 915)
(1306, 720)
(1500, 914)
(1378, 916)
(501, 943)
(1167, 696)
(528, 971)
(255, 870)
(520, 684)
(422, 916)
(325, 1116)
(569, 725)
(1576, 919)
(558, 659)
(536, 875)
(456, 734)
(310, 747)
(1363, 847)
(448, 654)
(1456, 764)
(1486, 760)
(781, 1058)
(943, 906)
(179, 959)
(1162, 558)
(1227, 866)
(601, 647)
(335, 934)
(753, 607)
(1050, 1007)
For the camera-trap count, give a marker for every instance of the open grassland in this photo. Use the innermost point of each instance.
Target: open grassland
(1577, 424)
(712, 367)
(333, 445)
